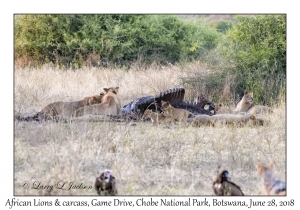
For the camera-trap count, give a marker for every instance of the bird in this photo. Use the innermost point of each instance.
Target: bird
(105, 184)
(222, 186)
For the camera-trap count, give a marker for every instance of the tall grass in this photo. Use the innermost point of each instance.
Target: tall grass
(145, 160)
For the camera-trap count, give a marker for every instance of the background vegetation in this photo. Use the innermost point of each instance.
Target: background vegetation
(240, 52)
(256, 49)
(120, 40)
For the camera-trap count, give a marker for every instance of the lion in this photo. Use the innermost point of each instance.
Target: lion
(259, 109)
(180, 115)
(156, 118)
(110, 104)
(63, 109)
(220, 109)
(91, 100)
(203, 120)
(246, 103)
(238, 120)
(228, 119)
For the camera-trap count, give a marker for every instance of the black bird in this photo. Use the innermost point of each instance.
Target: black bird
(105, 184)
(222, 186)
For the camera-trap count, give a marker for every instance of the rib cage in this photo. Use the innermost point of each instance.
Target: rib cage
(175, 97)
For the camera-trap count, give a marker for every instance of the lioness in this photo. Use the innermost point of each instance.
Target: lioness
(65, 109)
(220, 109)
(180, 115)
(203, 120)
(156, 118)
(238, 120)
(110, 104)
(259, 109)
(91, 100)
(246, 103)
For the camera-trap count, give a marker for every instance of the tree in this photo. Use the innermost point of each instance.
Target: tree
(255, 47)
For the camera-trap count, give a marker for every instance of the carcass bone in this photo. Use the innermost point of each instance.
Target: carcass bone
(174, 96)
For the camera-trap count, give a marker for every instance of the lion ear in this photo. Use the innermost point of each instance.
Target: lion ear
(101, 94)
(105, 89)
(117, 88)
(245, 92)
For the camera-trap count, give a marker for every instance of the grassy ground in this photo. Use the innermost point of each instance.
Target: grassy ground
(145, 160)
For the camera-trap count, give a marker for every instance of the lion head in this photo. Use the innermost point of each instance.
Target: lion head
(114, 90)
(248, 97)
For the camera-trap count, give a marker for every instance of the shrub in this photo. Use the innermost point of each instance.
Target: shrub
(256, 51)
(222, 26)
(251, 56)
(114, 39)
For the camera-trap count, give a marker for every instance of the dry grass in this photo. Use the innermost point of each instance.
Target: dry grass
(144, 159)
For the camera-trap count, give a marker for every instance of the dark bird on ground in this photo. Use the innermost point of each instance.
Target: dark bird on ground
(223, 186)
(105, 184)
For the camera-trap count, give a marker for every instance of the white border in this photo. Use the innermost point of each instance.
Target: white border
(187, 6)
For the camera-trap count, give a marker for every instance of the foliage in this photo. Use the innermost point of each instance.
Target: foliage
(222, 26)
(251, 52)
(256, 51)
(110, 39)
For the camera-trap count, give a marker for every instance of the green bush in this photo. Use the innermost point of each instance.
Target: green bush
(256, 51)
(250, 56)
(222, 26)
(73, 40)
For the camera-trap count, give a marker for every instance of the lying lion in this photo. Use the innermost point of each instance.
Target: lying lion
(180, 115)
(247, 105)
(65, 109)
(220, 109)
(228, 119)
(203, 120)
(91, 100)
(110, 104)
(156, 118)
(259, 109)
